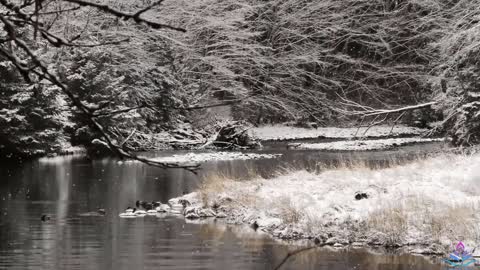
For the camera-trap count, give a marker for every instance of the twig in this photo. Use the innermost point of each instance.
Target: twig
(127, 16)
(110, 113)
(293, 253)
(395, 122)
(219, 104)
(140, 12)
(373, 123)
(128, 138)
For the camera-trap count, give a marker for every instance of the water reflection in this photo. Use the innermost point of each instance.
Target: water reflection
(66, 187)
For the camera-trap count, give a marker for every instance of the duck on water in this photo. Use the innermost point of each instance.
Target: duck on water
(148, 209)
(129, 212)
(152, 208)
(134, 212)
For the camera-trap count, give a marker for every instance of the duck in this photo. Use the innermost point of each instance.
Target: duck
(145, 205)
(148, 206)
(129, 212)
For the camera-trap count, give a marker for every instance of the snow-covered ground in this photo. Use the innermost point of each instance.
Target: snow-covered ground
(362, 145)
(212, 156)
(280, 132)
(428, 204)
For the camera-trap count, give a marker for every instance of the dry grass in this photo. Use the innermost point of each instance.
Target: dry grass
(458, 223)
(215, 183)
(349, 163)
(319, 167)
(393, 222)
(432, 218)
(212, 184)
(313, 224)
(289, 213)
(249, 200)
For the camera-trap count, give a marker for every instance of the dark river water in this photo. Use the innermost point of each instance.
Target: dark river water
(66, 188)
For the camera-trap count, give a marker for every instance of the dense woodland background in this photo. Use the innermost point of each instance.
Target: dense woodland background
(331, 62)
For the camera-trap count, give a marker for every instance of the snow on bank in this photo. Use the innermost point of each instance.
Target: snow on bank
(432, 203)
(280, 132)
(213, 156)
(363, 145)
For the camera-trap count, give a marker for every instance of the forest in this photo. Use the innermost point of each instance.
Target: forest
(341, 63)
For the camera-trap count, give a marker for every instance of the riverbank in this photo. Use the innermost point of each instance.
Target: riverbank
(424, 206)
(287, 133)
(240, 136)
(363, 145)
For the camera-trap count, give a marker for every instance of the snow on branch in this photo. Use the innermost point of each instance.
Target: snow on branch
(127, 16)
(22, 55)
(366, 111)
(377, 116)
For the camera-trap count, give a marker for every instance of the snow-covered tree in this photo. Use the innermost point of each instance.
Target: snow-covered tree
(42, 40)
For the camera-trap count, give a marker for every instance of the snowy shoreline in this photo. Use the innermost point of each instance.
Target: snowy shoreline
(286, 133)
(422, 207)
(363, 145)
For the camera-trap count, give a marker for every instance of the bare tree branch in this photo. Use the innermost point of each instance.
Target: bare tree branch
(110, 113)
(294, 253)
(366, 111)
(140, 12)
(219, 104)
(127, 16)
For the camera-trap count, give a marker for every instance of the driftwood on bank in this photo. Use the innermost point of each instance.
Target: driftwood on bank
(233, 135)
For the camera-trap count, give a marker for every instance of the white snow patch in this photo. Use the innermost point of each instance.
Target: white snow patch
(60, 158)
(363, 145)
(474, 94)
(214, 156)
(280, 132)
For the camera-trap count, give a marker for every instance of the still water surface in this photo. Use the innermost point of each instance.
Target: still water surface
(68, 187)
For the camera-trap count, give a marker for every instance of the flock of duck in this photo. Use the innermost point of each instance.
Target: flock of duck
(145, 208)
(142, 209)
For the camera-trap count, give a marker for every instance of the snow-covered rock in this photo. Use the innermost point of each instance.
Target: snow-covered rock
(192, 215)
(221, 215)
(206, 212)
(198, 211)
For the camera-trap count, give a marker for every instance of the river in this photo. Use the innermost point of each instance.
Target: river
(68, 188)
